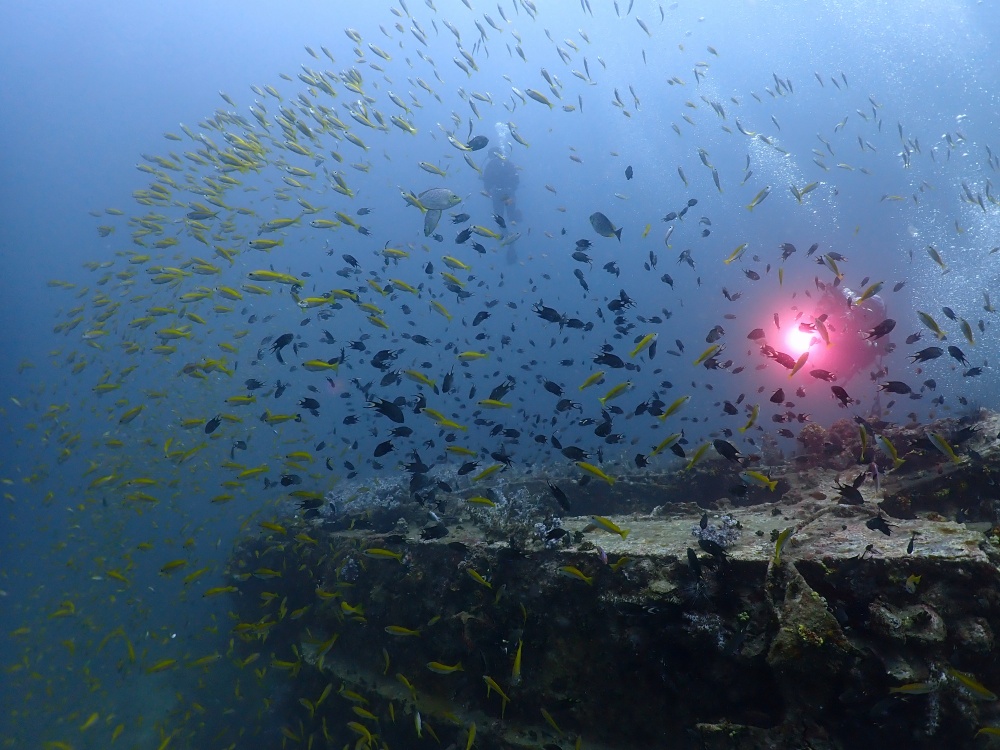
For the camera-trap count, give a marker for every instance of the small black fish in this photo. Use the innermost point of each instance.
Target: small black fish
(714, 549)
(382, 448)
(879, 524)
(925, 355)
(694, 563)
(778, 397)
(548, 314)
(436, 531)
(628, 172)
(556, 533)
(895, 386)
(882, 329)
(480, 317)
(213, 424)
(280, 343)
(727, 450)
(849, 494)
(287, 480)
(610, 360)
(784, 359)
(478, 143)
(958, 355)
(388, 409)
(841, 395)
(553, 388)
(575, 453)
(560, 496)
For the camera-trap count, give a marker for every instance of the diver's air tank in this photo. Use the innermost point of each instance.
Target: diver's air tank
(504, 145)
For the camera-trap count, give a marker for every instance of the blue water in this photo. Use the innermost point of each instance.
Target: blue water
(90, 92)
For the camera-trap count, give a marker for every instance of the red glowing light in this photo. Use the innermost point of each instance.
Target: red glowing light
(799, 341)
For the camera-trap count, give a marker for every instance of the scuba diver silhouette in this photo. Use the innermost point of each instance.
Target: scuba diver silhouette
(849, 324)
(500, 182)
(500, 179)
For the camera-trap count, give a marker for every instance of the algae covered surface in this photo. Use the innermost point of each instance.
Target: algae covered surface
(538, 625)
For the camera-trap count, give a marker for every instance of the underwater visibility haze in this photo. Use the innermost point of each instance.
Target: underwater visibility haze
(275, 271)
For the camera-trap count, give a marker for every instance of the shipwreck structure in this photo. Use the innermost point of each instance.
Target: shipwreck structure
(678, 610)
